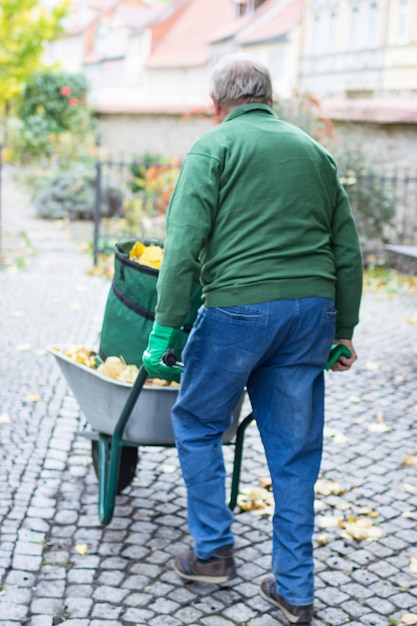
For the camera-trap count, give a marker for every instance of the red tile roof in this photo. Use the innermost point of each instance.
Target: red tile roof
(271, 23)
(186, 44)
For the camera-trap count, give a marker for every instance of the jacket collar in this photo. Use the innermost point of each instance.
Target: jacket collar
(248, 108)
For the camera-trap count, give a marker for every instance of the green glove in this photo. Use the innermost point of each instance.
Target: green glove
(161, 339)
(337, 350)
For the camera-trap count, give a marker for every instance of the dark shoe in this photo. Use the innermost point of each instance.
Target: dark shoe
(294, 614)
(218, 569)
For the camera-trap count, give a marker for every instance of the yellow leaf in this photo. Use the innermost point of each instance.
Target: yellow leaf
(81, 549)
(409, 618)
(323, 539)
(367, 511)
(265, 482)
(410, 460)
(32, 397)
(4, 418)
(327, 487)
(411, 320)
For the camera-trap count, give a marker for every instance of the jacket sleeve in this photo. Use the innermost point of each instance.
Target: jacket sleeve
(349, 266)
(189, 223)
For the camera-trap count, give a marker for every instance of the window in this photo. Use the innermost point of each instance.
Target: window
(354, 28)
(403, 20)
(332, 38)
(373, 18)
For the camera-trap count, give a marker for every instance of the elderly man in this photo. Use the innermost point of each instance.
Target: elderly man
(259, 218)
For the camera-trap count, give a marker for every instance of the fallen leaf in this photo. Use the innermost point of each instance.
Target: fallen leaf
(361, 528)
(373, 366)
(32, 397)
(4, 418)
(354, 399)
(23, 347)
(258, 500)
(329, 521)
(407, 488)
(325, 487)
(81, 549)
(400, 378)
(409, 618)
(378, 427)
(168, 469)
(336, 435)
(342, 506)
(411, 320)
(413, 563)
(323, 539)
(367, 511)
(265, 482)
(410, 460)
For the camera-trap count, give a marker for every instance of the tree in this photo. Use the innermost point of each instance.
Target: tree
(25, 26)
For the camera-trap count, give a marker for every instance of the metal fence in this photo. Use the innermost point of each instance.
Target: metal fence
(131, 201)
(132, 198)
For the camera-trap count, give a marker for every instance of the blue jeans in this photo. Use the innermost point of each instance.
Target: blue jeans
(278, 350)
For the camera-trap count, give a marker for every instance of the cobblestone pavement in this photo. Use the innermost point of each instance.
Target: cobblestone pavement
(48, 505)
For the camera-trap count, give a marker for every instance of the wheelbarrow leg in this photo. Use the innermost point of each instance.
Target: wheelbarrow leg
(109, 451)
(238, 459)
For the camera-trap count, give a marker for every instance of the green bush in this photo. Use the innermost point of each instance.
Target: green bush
(71, 195)
(53, 118)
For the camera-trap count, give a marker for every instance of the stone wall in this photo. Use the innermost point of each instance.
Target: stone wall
(389, 145)
(127, 136)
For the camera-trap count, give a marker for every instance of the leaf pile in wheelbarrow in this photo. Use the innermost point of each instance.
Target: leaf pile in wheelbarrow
(113, 367)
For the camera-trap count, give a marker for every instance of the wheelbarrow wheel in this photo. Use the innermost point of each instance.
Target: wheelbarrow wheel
(127, 469)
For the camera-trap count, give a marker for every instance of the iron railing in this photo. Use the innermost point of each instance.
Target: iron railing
(132, 198)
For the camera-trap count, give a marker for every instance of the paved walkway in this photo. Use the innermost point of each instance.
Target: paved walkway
(59, 565)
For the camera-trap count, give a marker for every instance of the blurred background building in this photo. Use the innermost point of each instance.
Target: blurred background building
(148, 64)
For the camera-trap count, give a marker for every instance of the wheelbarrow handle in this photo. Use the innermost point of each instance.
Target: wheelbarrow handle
(170, 358)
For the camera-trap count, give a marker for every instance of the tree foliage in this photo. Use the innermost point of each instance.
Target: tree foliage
(25, 26)
(53, 118)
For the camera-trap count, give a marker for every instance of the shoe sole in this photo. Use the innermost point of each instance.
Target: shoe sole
(291, 618)
(216, 580)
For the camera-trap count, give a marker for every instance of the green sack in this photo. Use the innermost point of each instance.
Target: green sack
(130, 309)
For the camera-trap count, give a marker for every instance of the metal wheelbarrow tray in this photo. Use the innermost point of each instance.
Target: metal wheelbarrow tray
(124, 415)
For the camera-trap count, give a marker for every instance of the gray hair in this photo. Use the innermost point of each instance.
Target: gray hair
(238, 78)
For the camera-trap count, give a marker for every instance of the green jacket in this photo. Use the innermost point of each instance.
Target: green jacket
(259, 214)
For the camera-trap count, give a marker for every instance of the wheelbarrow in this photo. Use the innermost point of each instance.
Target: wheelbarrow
(121, 417)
